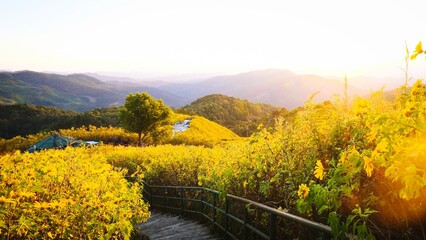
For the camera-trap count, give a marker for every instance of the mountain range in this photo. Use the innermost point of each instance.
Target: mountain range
(273, 86)
(82, 92)
(78, 92)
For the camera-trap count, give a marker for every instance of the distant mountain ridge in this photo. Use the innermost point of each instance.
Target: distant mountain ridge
(273, 86)
(81, 92)
(75, 91)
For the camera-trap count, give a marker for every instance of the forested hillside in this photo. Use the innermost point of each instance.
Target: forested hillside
(24, 119)
(241, 116)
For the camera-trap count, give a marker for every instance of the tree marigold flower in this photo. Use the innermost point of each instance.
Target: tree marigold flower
(368, 166)
(6, 200)
(382, 146)
(303, 191)
(319, 170)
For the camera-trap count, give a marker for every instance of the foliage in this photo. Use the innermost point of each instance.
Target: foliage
(66, 194)
(99, 117)
(202, 132)
(144, 115)
(240, 116)
(26, 119)
(107, 135)
(357, 165)
(20, 143)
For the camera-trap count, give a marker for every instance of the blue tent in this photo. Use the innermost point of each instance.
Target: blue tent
(53, 141)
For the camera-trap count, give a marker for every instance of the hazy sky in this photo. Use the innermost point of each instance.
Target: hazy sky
(326, 37)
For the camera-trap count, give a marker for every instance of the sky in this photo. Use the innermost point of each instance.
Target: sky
(165, 37)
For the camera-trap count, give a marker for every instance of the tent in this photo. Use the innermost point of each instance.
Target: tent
(53, 141)
(59, 142)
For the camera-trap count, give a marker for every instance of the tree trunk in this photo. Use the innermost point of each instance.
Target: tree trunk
(139, 139)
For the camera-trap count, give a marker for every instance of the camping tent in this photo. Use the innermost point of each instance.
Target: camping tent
(57, 141)
(53, 141)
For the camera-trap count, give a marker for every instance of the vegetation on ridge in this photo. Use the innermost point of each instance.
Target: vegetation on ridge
(24, 119)
(240, 116)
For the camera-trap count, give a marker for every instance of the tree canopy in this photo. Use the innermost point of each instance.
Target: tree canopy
(25, 119)
(143, 115)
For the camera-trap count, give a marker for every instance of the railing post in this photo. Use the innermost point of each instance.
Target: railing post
(148, 191)
(272, 226)
(245, 233)
(181, 200)
(202, 200)
(150, 195)
(226, 215)
(166, 197)
(214, 210)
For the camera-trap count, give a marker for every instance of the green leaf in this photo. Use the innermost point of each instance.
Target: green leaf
(349, 220)
(322, 209)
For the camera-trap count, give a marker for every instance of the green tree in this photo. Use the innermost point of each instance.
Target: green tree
(143, 115)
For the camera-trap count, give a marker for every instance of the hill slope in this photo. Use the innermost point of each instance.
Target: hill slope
(76, 91)
(202, 132)
(240, 116)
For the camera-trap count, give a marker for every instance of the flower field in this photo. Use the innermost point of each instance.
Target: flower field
(357, 165)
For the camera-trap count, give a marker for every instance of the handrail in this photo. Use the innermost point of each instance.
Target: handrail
(179, 199)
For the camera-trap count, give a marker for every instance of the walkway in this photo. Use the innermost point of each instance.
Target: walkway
(162, 226)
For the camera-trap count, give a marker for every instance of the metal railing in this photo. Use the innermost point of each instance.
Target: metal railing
(233, 216)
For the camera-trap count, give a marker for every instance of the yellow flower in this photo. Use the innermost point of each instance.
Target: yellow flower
(41, 205)
(26, 194)
(368, 166)
(382, 146)
(6, 200)
(343, 158)
(303, 191)
(319, 170)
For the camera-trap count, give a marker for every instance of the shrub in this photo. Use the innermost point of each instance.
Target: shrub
(66, 194)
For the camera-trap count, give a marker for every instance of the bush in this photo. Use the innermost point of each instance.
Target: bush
(66, 194)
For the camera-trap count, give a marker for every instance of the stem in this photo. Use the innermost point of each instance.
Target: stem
(407, 58)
